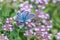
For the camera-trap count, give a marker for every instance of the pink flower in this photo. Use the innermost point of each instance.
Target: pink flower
(41, 3)
(1, 0)
(2, 37)
(7, 27)
(26, 6)
(40, 14)
(58, 36)
(9, 20)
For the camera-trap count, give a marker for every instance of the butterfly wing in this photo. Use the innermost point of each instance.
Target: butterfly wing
(29, 17)
(24, 14)
(19, 17)
(24, 17)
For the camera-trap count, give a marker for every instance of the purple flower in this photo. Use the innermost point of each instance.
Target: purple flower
(41, 6)
(37, 29)
(28, 33)
(2, 37)
(58, 36)
(1, 0)
(41, 3)
(9, 20)
(30, 24)
(42, 15)
(26, 6)
(7, 27)
(42, 31)
(47, 22)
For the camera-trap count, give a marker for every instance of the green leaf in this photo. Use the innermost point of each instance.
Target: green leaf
(18, 38)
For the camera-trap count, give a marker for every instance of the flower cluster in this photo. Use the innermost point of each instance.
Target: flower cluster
(41, 3)
(44, 1)
(39, 26)
(26, 6)
(3, 37)
(58, 36)
(8, 26)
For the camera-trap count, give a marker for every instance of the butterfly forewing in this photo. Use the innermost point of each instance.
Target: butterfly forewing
(29, 16)
(19, 17)
(24, 15)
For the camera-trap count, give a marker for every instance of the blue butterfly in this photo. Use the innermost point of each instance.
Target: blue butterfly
(24, 17)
